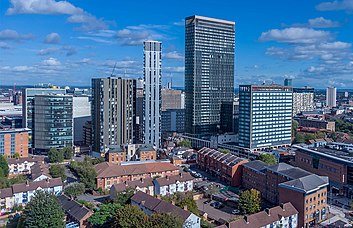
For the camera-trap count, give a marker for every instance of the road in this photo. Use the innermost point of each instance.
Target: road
(213, 213)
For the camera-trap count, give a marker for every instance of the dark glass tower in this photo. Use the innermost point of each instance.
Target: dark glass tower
(209, 72)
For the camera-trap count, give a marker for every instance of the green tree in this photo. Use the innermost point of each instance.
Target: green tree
(43, 211)
(182, 200)
(104, 214)
(86, 172)
(55, 155)
(309, 136)
(68, 153)
(75, 190)
(250, 201)
(123, 198)
(16, 155)
(88, 204)
(224, 151)
(269, 159)
(4, 166)
(185, 143)
(299, 138)
(57, 170)
(165, 221)
(130, 217)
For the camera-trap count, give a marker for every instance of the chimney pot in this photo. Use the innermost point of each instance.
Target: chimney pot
(267, 210)
(246, 219)
(173, 202)
(282, 206)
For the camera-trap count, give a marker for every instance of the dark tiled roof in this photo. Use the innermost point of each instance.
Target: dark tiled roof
(262, 219)
(109, 170)
(31, 186)
(115, 149)
(159, 206)
(6, 192)
(163, 181)
(73, 208)
(144, 183)
(295, 173)
(256, 165)
(279, 167)
(29, 159)
(306, 184)
(38, 169)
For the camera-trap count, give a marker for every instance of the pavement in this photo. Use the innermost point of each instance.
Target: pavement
(213, 213)
(338, 214)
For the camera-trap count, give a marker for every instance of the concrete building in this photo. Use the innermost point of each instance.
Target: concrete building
(173, 120)
(284, 215)
(265, 116)
(28, 107)
(331, 94)
(303, 100)
(209, 72)
(53, 122)
(81, 114)
(171, 184)
(14, 141)
(109, 174)
(150, 205)
(113, 112)
(152, 92)
(288, 82)
(171, 99)
(226, 167)
(87, 133)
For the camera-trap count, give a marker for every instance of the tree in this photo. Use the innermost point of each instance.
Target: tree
(55, 155)
(57, 171)
(224, 151)
(4, 166)
(299, 138)
(165, 221)
(269, 159)
(130, 216)
(123, 198)
(182, 200)
(104, 215)
(88, 204)
(250, 201)
(43, 211)
(75, 190)
(68, 153)
(17, 155)
(309, 136)
(185, 143)
(86, 172)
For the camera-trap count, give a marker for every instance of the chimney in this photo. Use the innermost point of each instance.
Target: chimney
(267, 210)
(181, 175)
(185, 207)
(167, 177)
(27, 182)
(141, 179)
(159, 197)
(282, 206)
(246, 219)
(173, 202)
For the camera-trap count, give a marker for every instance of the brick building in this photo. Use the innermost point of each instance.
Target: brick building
(226, 167)
(274, 183)
(134, 152)
(116, 155)
(109, 174)
(317, 123)
(14, 141)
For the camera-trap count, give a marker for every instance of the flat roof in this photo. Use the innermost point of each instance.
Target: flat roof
(211, 19)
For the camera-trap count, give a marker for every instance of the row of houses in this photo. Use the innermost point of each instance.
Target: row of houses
(21, 166)
(167, 185)
(109, 174)
(21, 194)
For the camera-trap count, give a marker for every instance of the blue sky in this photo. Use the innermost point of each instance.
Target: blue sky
(69, 42)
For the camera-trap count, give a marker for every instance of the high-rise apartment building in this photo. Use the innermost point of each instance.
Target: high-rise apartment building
(28, 107)
(113, 110)
(209, 72)
(288, 82)
(53, 122)
(171, 99)
(303, 100)
(14, 141)
(152, 93)
(331, 94)
(265, 116)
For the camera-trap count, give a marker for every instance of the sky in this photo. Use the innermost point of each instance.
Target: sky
(70, 42)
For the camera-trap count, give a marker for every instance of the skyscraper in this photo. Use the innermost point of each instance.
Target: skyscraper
(303, 100)
(113, 109)
(152, 92)
(288, 82)
(53, 122)
(209, 72)
(331, 94)
(265, 116)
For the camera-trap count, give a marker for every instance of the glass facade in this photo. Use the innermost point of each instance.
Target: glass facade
(209, 72)
(265, 116)
(53, 122)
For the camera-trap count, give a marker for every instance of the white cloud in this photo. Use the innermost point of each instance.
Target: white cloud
(67, 50)
(177, 69)
(179, 23)
(135, 35)
(51, 62)
(13, 35)
(47, 51)
(295, 35)
(335, 45)
(336, 5)
(51, 7)
(321, 22)
(4, 45)
(52, 38)
(173, 55)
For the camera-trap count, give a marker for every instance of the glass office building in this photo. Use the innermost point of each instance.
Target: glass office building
(53, 122)
(265, 116)
(209, 72)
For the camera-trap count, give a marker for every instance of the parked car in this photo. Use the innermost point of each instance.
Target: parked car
(235, 211)
(219, 205)
(207, 201)
(214, 204)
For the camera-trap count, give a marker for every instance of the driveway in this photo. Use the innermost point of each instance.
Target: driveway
(213, 213)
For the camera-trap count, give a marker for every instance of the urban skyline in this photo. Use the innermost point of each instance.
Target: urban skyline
(311, 47)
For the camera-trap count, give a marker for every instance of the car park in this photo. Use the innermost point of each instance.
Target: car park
(207, 201)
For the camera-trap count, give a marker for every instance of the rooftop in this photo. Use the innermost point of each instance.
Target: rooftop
(182, 177)
(306, 184)
(23, 160)
(74, 209)
(143, 183)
